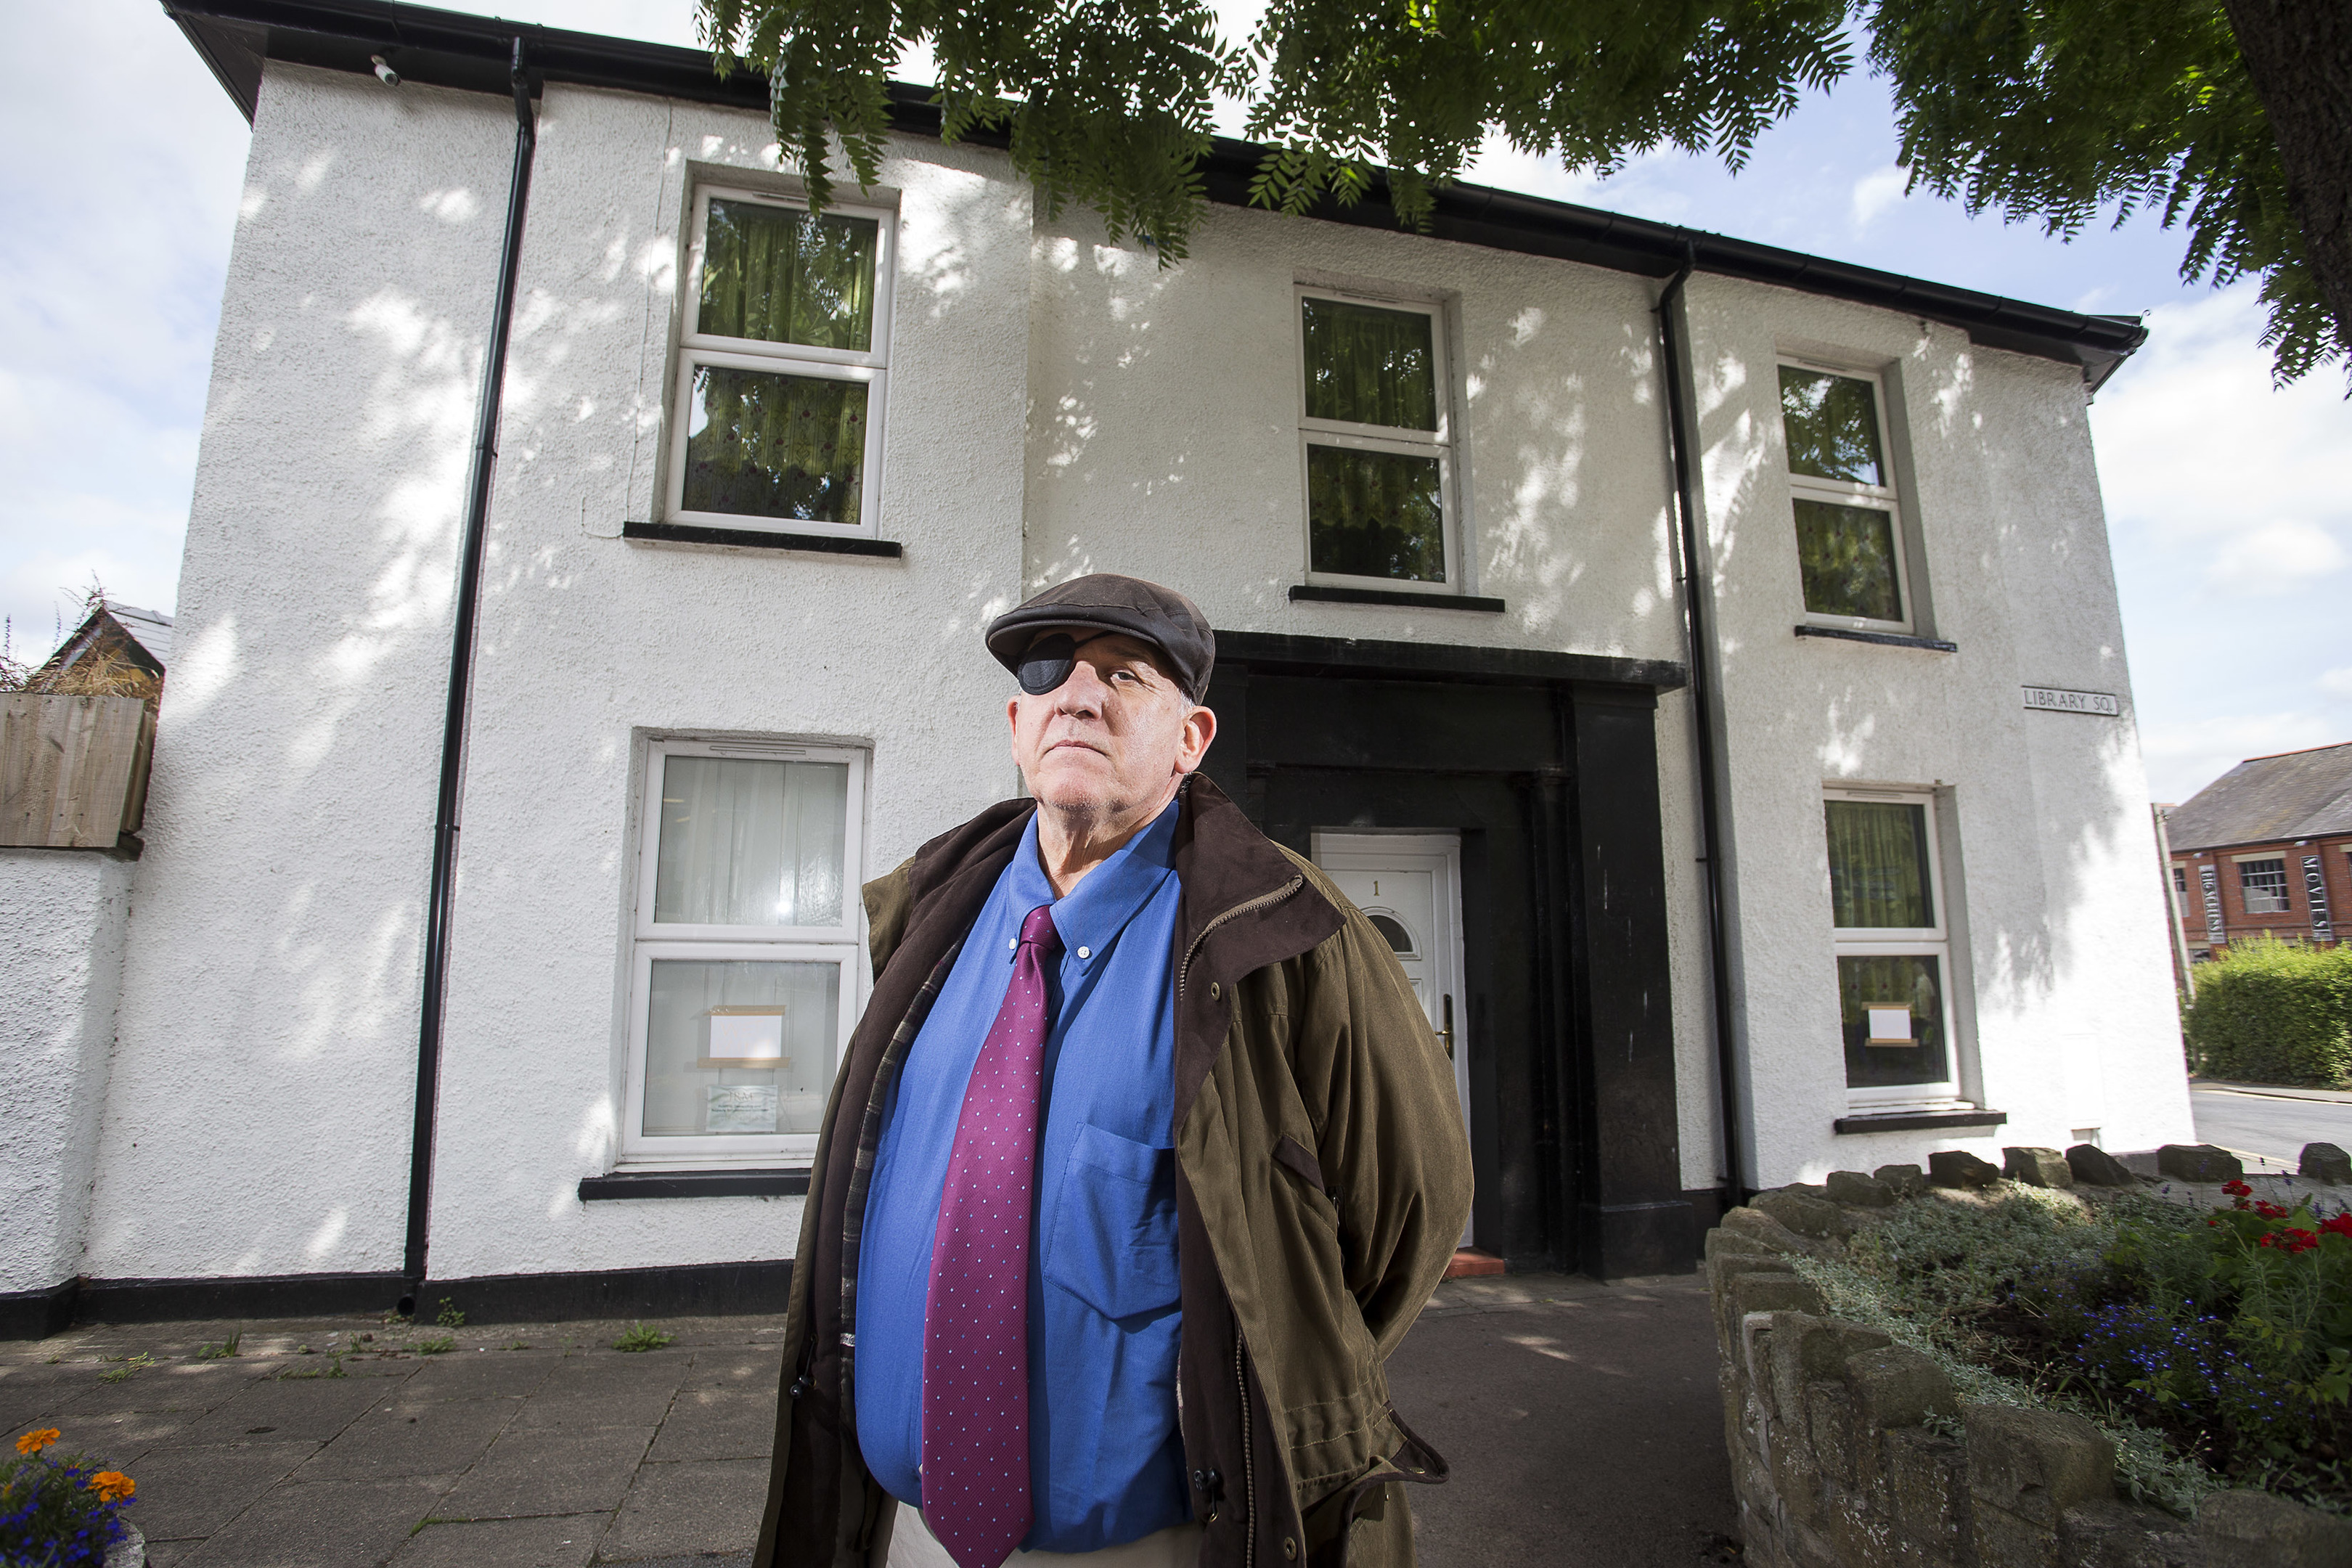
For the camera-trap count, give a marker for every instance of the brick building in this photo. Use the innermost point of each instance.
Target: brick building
(2267, 847)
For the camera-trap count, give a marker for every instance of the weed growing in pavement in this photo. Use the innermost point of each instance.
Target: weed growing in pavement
(221, 1350)
(132, 1365)
(641, 1338)
(440, 1344)
(449, 1317)
(519, 1345)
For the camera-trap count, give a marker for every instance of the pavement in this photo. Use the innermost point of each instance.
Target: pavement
(1582, 1421)
(2266, 1127)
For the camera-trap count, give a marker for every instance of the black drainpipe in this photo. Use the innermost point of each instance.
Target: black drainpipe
(441, 899)
(1702, 704)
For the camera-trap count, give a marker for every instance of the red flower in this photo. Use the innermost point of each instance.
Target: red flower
(2300, 1240)
(2340, 1226)
(2270, 1211)
(2237, 1189)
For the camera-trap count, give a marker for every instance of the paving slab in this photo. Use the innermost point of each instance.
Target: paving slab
(484, 1375)
(716, 1424)
(698, 1506)
(545, 1469)
(741, 1370)
(328, 1524)
(192, 1492)
(568, 1541)
(410, 1437)
(317, 1409)
(1581, 1420)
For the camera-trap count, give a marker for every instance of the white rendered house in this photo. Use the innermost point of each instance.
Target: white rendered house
(761, 479)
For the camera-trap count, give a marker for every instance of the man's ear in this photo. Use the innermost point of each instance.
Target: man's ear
(1200, 729)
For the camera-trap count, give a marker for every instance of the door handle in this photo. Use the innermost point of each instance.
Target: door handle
(1446, 1033)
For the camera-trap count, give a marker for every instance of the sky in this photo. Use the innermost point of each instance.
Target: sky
(2227, 506)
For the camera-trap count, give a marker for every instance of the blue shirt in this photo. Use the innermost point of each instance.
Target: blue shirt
(1106, 1462)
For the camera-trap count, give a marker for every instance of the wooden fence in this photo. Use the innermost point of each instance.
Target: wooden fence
(73, 769)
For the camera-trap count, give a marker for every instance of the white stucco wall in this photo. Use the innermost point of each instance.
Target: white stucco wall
(2057, 919)
(62, 913)
(1056, 405)
(259, 1113)
(589, 642)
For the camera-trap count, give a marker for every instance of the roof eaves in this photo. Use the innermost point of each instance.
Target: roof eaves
(451, 48)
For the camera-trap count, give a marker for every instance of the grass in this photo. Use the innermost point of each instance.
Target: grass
(640, 1337)
(440, 1344)
(221, 1350)
(132, 1366)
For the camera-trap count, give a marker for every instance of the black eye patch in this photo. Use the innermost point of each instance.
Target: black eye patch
(1047, 663)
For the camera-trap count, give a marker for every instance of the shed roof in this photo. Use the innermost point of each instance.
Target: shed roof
(2294, 794)
(452, 49)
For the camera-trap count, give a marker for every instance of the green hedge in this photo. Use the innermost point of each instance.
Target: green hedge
(2269, 1013)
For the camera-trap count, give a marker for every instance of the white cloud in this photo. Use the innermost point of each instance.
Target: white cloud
(1877, 191)
(2274, 558)
(2337, 682)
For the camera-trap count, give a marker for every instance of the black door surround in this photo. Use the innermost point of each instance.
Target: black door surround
(1547, 765)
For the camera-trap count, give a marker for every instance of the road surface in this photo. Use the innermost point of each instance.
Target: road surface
(2270, 1125)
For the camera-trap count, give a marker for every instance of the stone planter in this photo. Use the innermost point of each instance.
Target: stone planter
(130, 1552)
(73, 769)
(1834, 1467)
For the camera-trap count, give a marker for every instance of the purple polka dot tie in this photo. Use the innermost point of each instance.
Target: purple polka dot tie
(976, 1317)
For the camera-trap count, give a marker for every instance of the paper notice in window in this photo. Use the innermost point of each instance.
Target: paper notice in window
(1891, 1026)
(740, 1108)
(743, 1037)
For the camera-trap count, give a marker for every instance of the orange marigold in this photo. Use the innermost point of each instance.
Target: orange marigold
(112, 1486)
(34, 1442)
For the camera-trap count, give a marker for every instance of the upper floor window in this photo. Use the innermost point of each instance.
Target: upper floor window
(1894, 951)
(745, 968)
(1376, 442)
(782, 366)
(2261, 885)
(1848, 518)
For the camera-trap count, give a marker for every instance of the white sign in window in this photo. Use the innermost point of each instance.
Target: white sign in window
(782, 366)
(745, 971)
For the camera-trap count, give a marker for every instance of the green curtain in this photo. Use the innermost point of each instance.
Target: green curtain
(1846, 554)
(1832, 425)
(1878, 864)
(1370, 366)
(764, 445)
(1913, 981)
(1374, 514)
(784, 276)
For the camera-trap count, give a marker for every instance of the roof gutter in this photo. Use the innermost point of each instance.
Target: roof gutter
(450, 48)
(441, 900)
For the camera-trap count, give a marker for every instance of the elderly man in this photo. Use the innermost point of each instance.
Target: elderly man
(1140, 1164)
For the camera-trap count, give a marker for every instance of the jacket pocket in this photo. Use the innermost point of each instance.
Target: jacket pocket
(1114, 1241)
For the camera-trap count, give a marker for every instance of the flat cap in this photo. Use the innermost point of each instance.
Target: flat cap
(1104, 601)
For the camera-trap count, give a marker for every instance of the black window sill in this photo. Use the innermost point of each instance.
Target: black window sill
(1309, 593)
(695, 1185)
(1885, 639)
(752, 538)
(1919, 1121)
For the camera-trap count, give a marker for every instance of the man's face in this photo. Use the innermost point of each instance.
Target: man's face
(1112, 736)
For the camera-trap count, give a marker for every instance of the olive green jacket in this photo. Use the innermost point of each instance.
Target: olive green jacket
(1323, 1177)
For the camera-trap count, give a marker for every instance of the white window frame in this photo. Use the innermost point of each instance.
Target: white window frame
(1899, 941)
(1887, 498)
(1356, 437)
(697, 347)
(841, 944)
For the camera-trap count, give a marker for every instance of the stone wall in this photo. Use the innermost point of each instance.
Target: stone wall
(1835, 1465)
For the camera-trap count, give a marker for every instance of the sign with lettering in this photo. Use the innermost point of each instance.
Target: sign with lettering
(2209, 879)
(2052, 699)
(2315, 890)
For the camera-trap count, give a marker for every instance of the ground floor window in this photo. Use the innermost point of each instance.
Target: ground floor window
(1893, 949)
(744, 961)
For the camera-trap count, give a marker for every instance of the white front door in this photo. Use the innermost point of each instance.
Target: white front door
(1410, 887)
